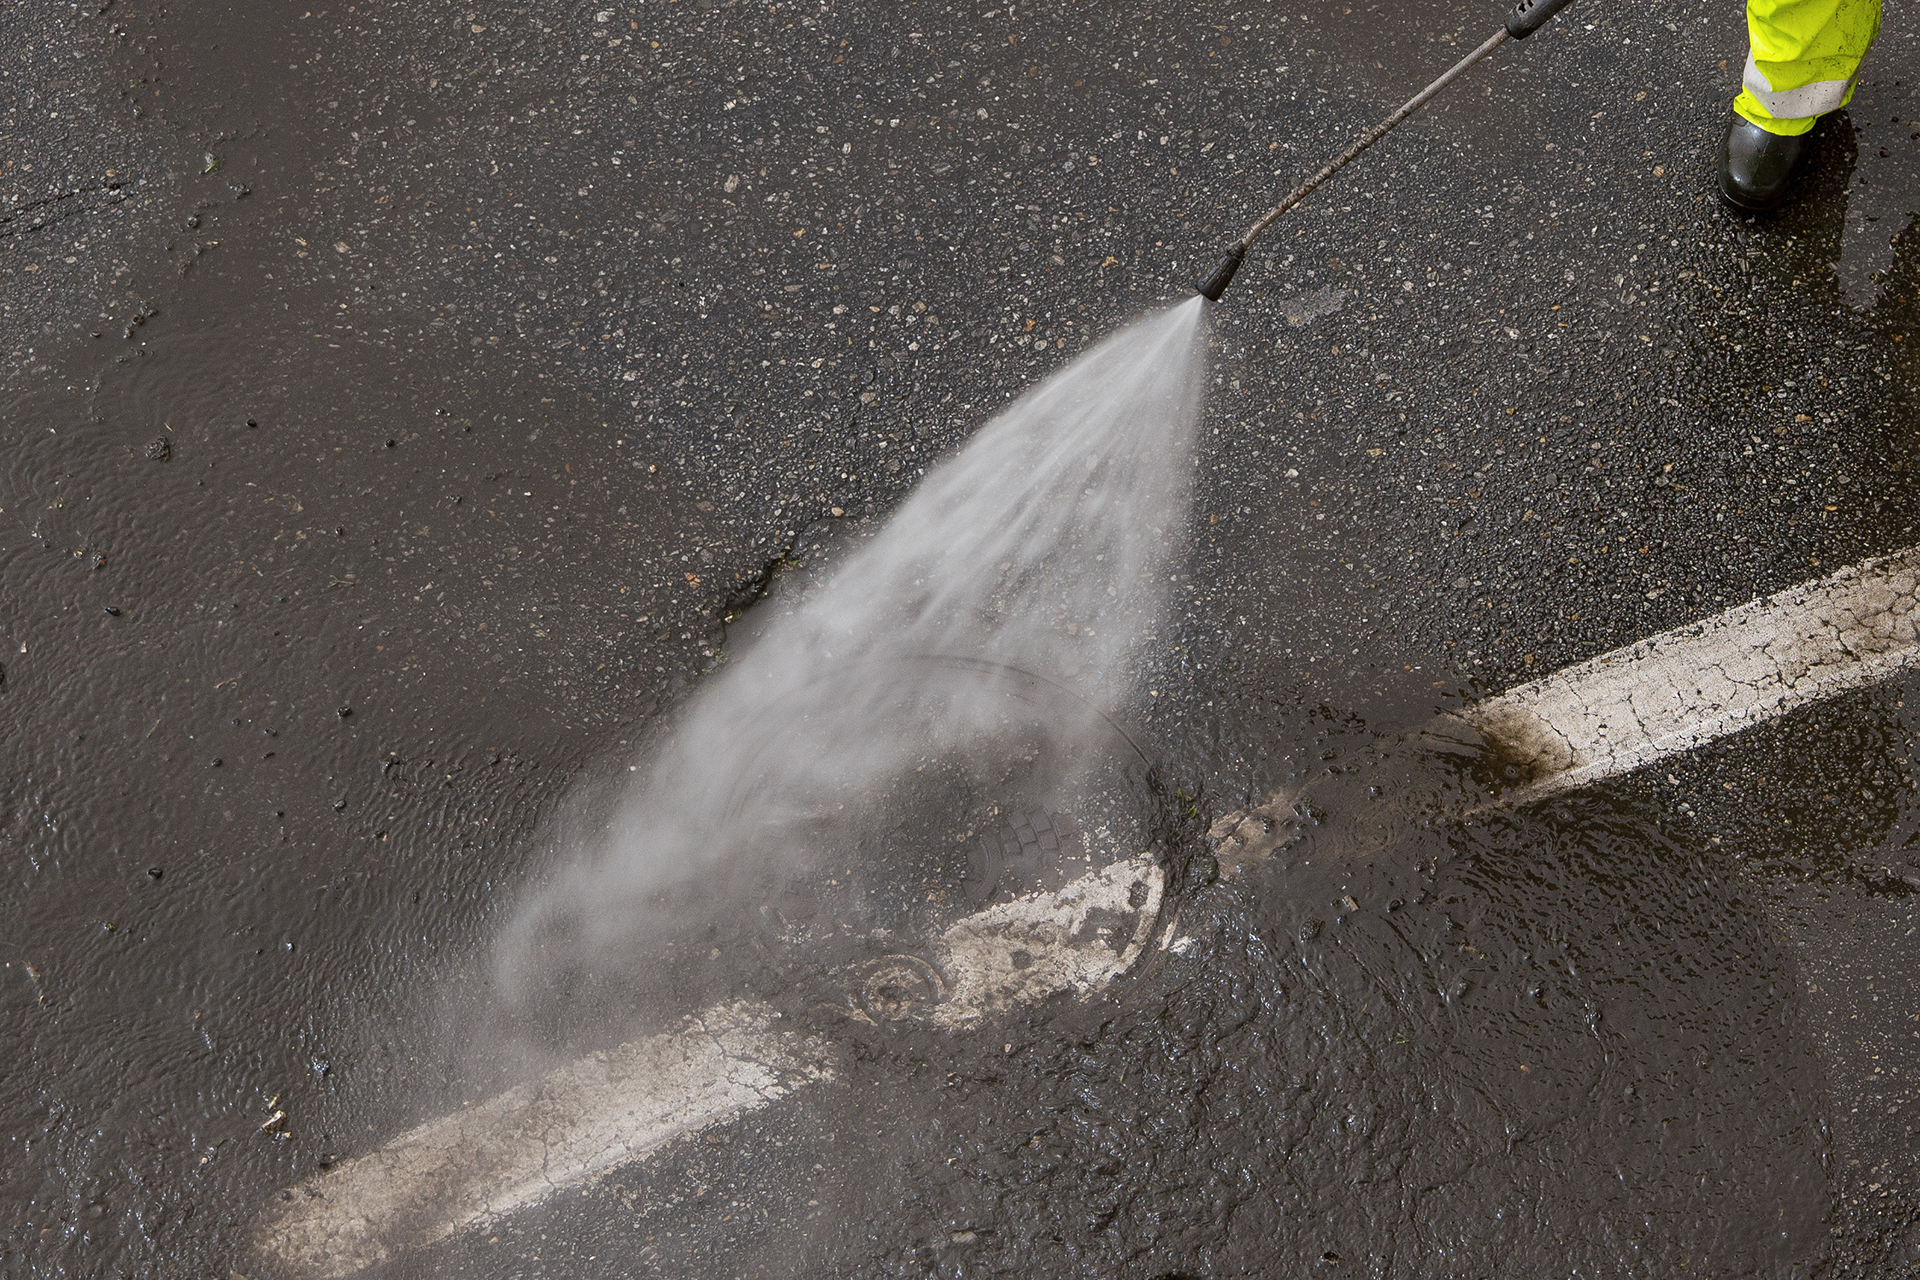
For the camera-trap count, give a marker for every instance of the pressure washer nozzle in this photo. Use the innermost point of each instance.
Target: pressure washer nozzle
(1212, 286)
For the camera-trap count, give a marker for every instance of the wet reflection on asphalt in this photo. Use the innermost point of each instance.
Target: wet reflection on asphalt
(425, 454)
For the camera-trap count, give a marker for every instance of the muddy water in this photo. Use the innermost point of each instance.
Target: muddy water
(1468, 1048)
(1501, 1054)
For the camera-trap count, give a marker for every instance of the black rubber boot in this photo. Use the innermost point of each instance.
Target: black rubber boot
(1757, 168)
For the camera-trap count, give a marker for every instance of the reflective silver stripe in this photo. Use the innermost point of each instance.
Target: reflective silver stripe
(1813, 99)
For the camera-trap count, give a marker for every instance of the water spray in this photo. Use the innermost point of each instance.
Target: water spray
(1527, 17)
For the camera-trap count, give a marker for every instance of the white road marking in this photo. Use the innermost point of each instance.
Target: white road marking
(520, 1147)
(1669, 693)
(1686, 687)
(608, 1109)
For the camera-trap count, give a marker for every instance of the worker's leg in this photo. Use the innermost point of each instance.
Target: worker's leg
(1801, 61)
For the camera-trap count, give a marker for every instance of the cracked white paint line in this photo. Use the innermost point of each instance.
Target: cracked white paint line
(608, 1109)
(1669, 693)
(518, 1148)
(1686, 687)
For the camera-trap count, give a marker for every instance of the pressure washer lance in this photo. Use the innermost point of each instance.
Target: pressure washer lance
(1527, 17)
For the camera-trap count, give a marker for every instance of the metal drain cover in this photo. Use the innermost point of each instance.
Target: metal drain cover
(1033, 849)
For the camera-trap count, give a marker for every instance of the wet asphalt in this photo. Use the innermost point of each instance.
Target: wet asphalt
(401, 403)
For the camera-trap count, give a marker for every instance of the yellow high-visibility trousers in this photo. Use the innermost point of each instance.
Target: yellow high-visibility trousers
(1802, 58)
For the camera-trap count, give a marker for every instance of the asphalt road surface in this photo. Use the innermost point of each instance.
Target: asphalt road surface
(406, 406)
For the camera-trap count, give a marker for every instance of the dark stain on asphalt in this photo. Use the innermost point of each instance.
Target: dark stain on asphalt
(399, 402)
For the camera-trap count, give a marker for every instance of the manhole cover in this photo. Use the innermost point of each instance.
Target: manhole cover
(1032, 849)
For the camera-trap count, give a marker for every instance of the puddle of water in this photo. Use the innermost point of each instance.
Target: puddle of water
(1552, 1034)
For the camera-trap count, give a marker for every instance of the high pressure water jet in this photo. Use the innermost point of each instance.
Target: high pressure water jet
(1527, 17)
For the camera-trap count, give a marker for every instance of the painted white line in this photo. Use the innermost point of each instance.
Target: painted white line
(1669, 693)
(520, 1147)
(1686, 687)
(609, 1109)
(1077, 939)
